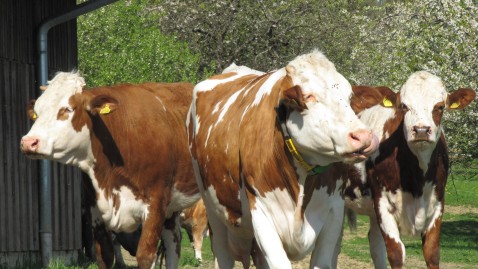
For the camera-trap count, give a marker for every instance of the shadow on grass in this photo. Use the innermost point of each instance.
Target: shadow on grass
(460, 234)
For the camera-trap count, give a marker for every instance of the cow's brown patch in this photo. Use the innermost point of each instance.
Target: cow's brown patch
(437, 113)
(366, 97)
(431, 244)
(142, 146)
(394, 252)
(63, 113)
(256, 155)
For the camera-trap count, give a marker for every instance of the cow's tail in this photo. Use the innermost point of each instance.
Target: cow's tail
(351, 219)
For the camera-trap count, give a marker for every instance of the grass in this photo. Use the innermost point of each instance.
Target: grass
(459, 234)
(187, 259)
(462, 189)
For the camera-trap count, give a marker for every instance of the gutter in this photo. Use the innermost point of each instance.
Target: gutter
(45, 193)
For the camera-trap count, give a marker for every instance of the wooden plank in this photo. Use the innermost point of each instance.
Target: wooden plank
(12, 161)
(3, 186)
(23, 187)
(32, 170)
(19, 216)
(9, 176)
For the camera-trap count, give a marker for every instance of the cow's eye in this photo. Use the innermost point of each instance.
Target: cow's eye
(440, 108)
(69, 109)
(404, 107)
(310, 98)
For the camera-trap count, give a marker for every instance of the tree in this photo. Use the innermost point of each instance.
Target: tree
(438, 36)
(370, 42)
(121, 43)
(261, 34)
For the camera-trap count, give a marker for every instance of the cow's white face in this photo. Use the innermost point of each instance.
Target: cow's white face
(328, 130)
(52, 135)
(423, 97)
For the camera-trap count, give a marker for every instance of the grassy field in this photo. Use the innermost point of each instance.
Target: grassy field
(459, 236)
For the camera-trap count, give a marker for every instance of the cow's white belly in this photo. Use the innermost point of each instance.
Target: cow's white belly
(121, 211)
(180, 201)
(414, 215)
(283, 215)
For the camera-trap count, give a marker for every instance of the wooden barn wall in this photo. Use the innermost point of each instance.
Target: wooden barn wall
(19, 209)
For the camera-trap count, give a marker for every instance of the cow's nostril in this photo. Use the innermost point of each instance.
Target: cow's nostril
(421, 129)
(422, 132)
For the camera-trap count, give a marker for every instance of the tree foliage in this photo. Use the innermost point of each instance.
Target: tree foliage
(121, 43)
(371, 42)
(262, 34)
(438, 36)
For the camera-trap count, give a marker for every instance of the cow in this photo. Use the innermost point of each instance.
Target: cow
(194, 221)
(401, 187)
(130, 139)
(254, 139)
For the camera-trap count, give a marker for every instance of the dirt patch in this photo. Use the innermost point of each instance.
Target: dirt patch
(460, 210)
(344, 262)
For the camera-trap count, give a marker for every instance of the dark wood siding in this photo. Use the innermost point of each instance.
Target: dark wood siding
(19, 209)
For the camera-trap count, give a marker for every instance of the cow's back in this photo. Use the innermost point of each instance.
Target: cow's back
(143, 143)
(237, 128)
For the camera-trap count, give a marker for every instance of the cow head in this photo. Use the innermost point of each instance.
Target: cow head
(321, 120)
(423, 99)
(61, 116)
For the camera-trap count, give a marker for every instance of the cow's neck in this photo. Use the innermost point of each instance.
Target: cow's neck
(423, 155)
(423, 151)
(299, 161)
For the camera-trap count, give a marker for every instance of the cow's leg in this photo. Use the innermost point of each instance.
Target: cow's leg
(198, 229)
(431, 244)
(268, 240)
(377, 245)
(223, 257)
(103, 246)
(391, 236)
(323, 255)
(87, 234)
(171, 237)
(119, 261)
(146, 254)
(257, 257)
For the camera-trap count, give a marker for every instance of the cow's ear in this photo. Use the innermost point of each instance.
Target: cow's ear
(30, 110)
(102, 104)
(366, 97)
(389, 97)
(460, 98)
(292, 94)
(294, 98)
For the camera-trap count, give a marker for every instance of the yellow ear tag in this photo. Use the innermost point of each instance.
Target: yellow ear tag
(105, 110)
(34, 116)
(454, 105)
(386, 102)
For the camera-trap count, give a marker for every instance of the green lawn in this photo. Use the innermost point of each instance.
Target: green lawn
(459, 234)
(459, 241)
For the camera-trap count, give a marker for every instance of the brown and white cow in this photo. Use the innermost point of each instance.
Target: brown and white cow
(402, 186)
(254, 139)
(131, 141)
(194, 220)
